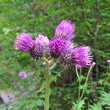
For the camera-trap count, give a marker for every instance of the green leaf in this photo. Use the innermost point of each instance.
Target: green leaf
(41, 65)
(96, 107)
(105, 98)
(54, 73)
(40, 102)
(6, 30)
(79, 105)
(43, 86)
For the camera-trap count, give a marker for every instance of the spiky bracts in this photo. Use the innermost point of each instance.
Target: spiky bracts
(41, 43)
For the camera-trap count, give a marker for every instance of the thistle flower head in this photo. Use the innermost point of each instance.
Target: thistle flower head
(43, 39)
(65, 30)
(82, 56)
(56, 47)
(24, 42)
(39, 46)
(23, 75)
(66, 54)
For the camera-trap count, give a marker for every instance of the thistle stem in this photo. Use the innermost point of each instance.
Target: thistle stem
(46, 106)
(47, 94)
(86, 82)
(79, 81)
(77, 73)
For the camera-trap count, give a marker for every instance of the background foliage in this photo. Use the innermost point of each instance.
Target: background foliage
(91, 18)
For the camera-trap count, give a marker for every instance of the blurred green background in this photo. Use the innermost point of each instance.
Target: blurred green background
(92, 22)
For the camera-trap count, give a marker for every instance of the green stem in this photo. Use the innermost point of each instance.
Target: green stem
(80, 71)
(106, 80)
(46, 106)
(77, 73)
(78, 86)
(78, 82)
(47, 94)
(86, 81)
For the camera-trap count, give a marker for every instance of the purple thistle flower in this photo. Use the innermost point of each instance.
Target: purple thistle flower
(23, 75)
(24, 42)
(43, 39)
(108, 61)
(82, 56)
(65, 30)
(66, 54)
(40, 45)
(56, 47)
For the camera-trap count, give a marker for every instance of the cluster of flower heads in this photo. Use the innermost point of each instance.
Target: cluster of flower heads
(61, 47)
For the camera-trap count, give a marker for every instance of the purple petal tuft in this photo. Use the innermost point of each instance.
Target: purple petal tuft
(56, 47)
(65, 30)
(24, 42)
(82, 56)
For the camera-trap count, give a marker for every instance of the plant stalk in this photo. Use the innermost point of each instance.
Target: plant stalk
(47, 94)
(79, 81)
(86, 82)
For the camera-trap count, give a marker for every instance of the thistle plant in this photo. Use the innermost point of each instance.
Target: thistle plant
(61, 49)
